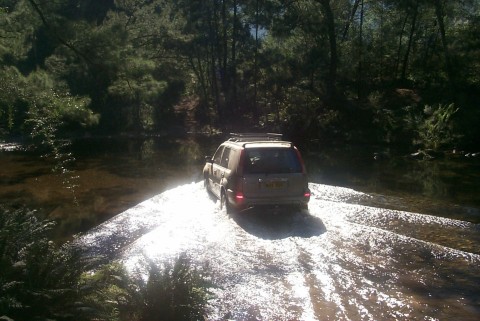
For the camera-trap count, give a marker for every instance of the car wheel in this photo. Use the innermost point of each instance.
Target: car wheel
(223, 200)
(225, 204)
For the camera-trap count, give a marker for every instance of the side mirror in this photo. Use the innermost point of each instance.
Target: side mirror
(208, 159)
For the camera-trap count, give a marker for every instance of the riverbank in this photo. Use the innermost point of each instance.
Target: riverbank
(111, 174)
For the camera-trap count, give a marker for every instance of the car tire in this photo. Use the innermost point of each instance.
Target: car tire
(223, 200)
(225, 204)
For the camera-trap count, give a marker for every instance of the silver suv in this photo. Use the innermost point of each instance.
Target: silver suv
(256, 169)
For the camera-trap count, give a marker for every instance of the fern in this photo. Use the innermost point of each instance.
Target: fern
(436, 129)
(40, 280)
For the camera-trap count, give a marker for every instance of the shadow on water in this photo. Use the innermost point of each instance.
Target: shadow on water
(274, 224)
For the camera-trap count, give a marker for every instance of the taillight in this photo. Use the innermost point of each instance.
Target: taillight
(239, 197)
(307, 194)
(239, 191)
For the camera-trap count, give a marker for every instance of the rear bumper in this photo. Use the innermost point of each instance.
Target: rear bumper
(247, 202)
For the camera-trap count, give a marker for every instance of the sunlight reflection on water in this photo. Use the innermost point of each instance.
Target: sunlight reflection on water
(337, 261)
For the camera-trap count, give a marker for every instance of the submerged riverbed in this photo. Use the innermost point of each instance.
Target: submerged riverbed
(337, 261)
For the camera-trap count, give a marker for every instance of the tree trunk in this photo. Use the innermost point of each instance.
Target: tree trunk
(255, 66)
(410, 41)
(234, 58)
(360, 56)
(225, 46)
(199, 74)
(332, 73)
(214, 35)
(399, 51)
(441, 27)
(349, 21)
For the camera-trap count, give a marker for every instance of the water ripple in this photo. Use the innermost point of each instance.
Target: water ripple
(339, 260)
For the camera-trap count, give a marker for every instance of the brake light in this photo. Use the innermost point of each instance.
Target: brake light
(239, 197)
(307, 195)
(239, 191)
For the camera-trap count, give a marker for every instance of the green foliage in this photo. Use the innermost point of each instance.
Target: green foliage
(54, 108)
(10, 93)
(42, 281)
(136, 88)
(38, 280)
(32, 105)
(134, 76)
(436, 129)
(131, 61)
(22, 99)
(17, 29)
(177, 292)
(107, 293)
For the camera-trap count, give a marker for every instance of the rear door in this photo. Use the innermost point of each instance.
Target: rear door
(215, 171)
(220, 168)
(273, 173)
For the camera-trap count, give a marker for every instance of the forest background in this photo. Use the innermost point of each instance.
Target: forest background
(404, 73)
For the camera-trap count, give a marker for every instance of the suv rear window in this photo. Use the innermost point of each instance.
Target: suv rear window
(271, 161)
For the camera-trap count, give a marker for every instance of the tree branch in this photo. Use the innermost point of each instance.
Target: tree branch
(56, 35)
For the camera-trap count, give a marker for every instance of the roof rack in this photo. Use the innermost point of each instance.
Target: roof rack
(251, 137)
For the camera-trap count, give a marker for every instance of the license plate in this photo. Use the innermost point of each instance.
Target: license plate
(274, 184)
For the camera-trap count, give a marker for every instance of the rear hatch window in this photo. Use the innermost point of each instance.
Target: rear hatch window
(272, 173)
(271, 161)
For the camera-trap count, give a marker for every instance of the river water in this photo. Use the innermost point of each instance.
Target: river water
(385, 239)
(337, 261)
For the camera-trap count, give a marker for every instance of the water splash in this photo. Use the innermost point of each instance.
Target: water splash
(339, 260)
